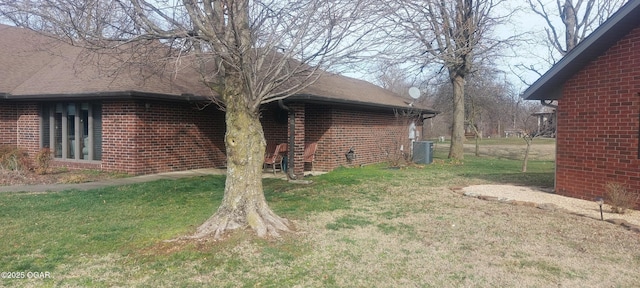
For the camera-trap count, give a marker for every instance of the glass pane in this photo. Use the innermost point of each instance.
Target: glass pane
(71, 129)
(84, 130)
(97, 131)
(58, 132)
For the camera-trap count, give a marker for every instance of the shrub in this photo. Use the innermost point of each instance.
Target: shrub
(43, 159)
(619, 197)
(14, 159)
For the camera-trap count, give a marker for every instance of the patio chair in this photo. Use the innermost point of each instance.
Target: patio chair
(273, 157)
(310, 152)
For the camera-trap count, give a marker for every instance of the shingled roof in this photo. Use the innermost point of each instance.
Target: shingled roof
(34, 66)
(37, 67)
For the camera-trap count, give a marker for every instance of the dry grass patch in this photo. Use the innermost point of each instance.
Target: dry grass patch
(434, 238)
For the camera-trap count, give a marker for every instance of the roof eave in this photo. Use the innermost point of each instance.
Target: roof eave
(354, 103)
(116, 95)
(549, 85)
(137, 95)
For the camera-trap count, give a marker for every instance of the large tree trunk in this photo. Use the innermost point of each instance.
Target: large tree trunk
(456, 150)
(244, 204)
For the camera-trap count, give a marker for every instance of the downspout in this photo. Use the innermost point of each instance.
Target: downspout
(292, 133)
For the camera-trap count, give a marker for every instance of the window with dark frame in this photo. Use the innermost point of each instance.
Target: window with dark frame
(72, 130)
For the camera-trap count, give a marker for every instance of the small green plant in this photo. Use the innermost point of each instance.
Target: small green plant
(619, 197)
(43, 160)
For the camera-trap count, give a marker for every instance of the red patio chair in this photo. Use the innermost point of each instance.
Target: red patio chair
(273, 157)
(310, 152)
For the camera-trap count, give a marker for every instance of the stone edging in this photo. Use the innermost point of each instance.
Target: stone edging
(544, 206)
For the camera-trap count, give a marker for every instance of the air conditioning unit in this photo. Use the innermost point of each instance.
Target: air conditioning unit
(423, 152)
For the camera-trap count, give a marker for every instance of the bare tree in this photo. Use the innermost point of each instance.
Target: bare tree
(578, 20)
(453, 35)
(248, 52)
(390, 76)
(567, 24)
(487, 99)
(532, 127)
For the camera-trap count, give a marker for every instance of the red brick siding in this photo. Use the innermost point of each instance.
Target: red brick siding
(300, 137)
(164, 137)
(8, 124)
(369, 132)
(598, 123)
(28, 127)
(119, 132)
(317, 129)
(274, 124)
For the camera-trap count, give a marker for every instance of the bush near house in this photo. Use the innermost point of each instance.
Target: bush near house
(43, 160)
(620, 198)
(14, 159)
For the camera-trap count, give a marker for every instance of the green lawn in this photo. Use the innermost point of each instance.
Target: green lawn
(368, 226)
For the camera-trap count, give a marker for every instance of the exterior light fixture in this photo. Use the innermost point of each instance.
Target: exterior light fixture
(600, 201)
(351, 155)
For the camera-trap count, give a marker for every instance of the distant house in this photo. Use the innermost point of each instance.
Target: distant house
(138, 122)
(546, 125)
(597, 88)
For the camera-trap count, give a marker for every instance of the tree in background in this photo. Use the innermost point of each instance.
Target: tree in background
(248, 53)
(488, 100)
(567, 24)
(532, 128)
(450, 36)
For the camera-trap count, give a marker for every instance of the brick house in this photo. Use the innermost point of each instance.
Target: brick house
(597, 88)
(138, 122)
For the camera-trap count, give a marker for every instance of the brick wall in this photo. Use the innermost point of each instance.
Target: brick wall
(28, 127)
(274, 123)
(8, 124)
(300, 139)
(369, 132)
(163, 137)
(167, 136)
(317, 129)
(598, 124)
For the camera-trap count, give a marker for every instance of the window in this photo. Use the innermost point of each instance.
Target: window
(72, 130)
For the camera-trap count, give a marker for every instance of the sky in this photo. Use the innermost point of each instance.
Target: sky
(529, 54)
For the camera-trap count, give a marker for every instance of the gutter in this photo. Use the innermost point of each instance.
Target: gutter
(117, 95)
(359, 104)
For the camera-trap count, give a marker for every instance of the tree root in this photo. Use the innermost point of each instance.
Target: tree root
(264, 222)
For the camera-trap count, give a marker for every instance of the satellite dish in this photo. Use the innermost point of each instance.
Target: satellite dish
(414, 92)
